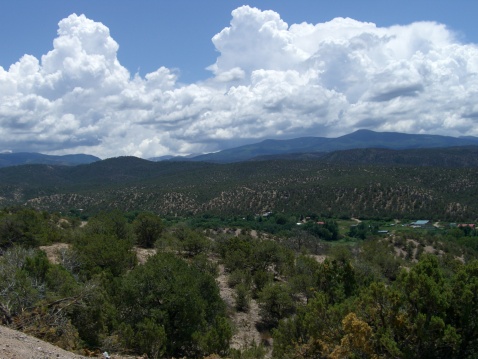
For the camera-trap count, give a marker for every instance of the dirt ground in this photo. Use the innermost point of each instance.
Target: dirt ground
(53, 251)
(246, 332)
(17, 345)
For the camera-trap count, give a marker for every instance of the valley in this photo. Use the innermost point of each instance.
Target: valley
(353, 253)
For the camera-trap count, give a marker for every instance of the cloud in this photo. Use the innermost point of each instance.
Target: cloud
(270, 80)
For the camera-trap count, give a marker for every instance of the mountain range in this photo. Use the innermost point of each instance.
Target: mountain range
(365, 173)
(357, 139)
(306, 146)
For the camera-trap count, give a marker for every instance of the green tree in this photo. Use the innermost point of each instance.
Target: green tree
(99, 252)
(304, 279)
(147, 228)
(313, 333)
(383, 306)
(337, 279)
(328, 231)
(27, 227)
(427, 297)
(242, 297)
(192, 242)
(376, 260)
(112, 223)
(463, 313)
(17, 289)
(151, 338)
(169, 294)
(275, 303)
(217, 338)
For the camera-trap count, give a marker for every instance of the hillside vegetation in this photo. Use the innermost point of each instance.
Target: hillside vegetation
(313, 255)
(427, 183)
(327, 288)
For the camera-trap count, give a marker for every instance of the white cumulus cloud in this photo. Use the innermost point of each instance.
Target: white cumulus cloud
(270, 80)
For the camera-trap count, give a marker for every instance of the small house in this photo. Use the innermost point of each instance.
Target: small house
(422, 223)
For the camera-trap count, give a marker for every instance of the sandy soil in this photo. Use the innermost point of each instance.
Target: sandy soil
(16, 345)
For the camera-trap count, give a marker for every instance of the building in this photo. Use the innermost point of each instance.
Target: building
(422, 223)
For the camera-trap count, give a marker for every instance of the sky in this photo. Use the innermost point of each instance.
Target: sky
(150, 78)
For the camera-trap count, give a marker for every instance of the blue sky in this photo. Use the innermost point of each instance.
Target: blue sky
(325, 77)
(177, 34)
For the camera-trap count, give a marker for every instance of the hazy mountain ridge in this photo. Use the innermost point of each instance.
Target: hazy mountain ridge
(308, 147)
(23, 158)
(357, 139)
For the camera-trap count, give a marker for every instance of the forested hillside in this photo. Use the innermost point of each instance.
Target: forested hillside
(136, 283)
(432, 184)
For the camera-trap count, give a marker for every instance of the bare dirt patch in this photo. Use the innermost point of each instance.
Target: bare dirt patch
(318, 258)
(53, 252)
(142, 254)
(17, 345)
(245, 323)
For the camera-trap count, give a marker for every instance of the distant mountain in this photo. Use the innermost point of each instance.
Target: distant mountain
(22, 158)
(357, 139)
(173, 158)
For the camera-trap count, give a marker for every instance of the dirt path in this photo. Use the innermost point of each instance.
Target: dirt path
(245, 323)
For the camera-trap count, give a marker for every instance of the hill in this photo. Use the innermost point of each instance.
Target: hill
(421, 183)
(22, 158)
(453, 157)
